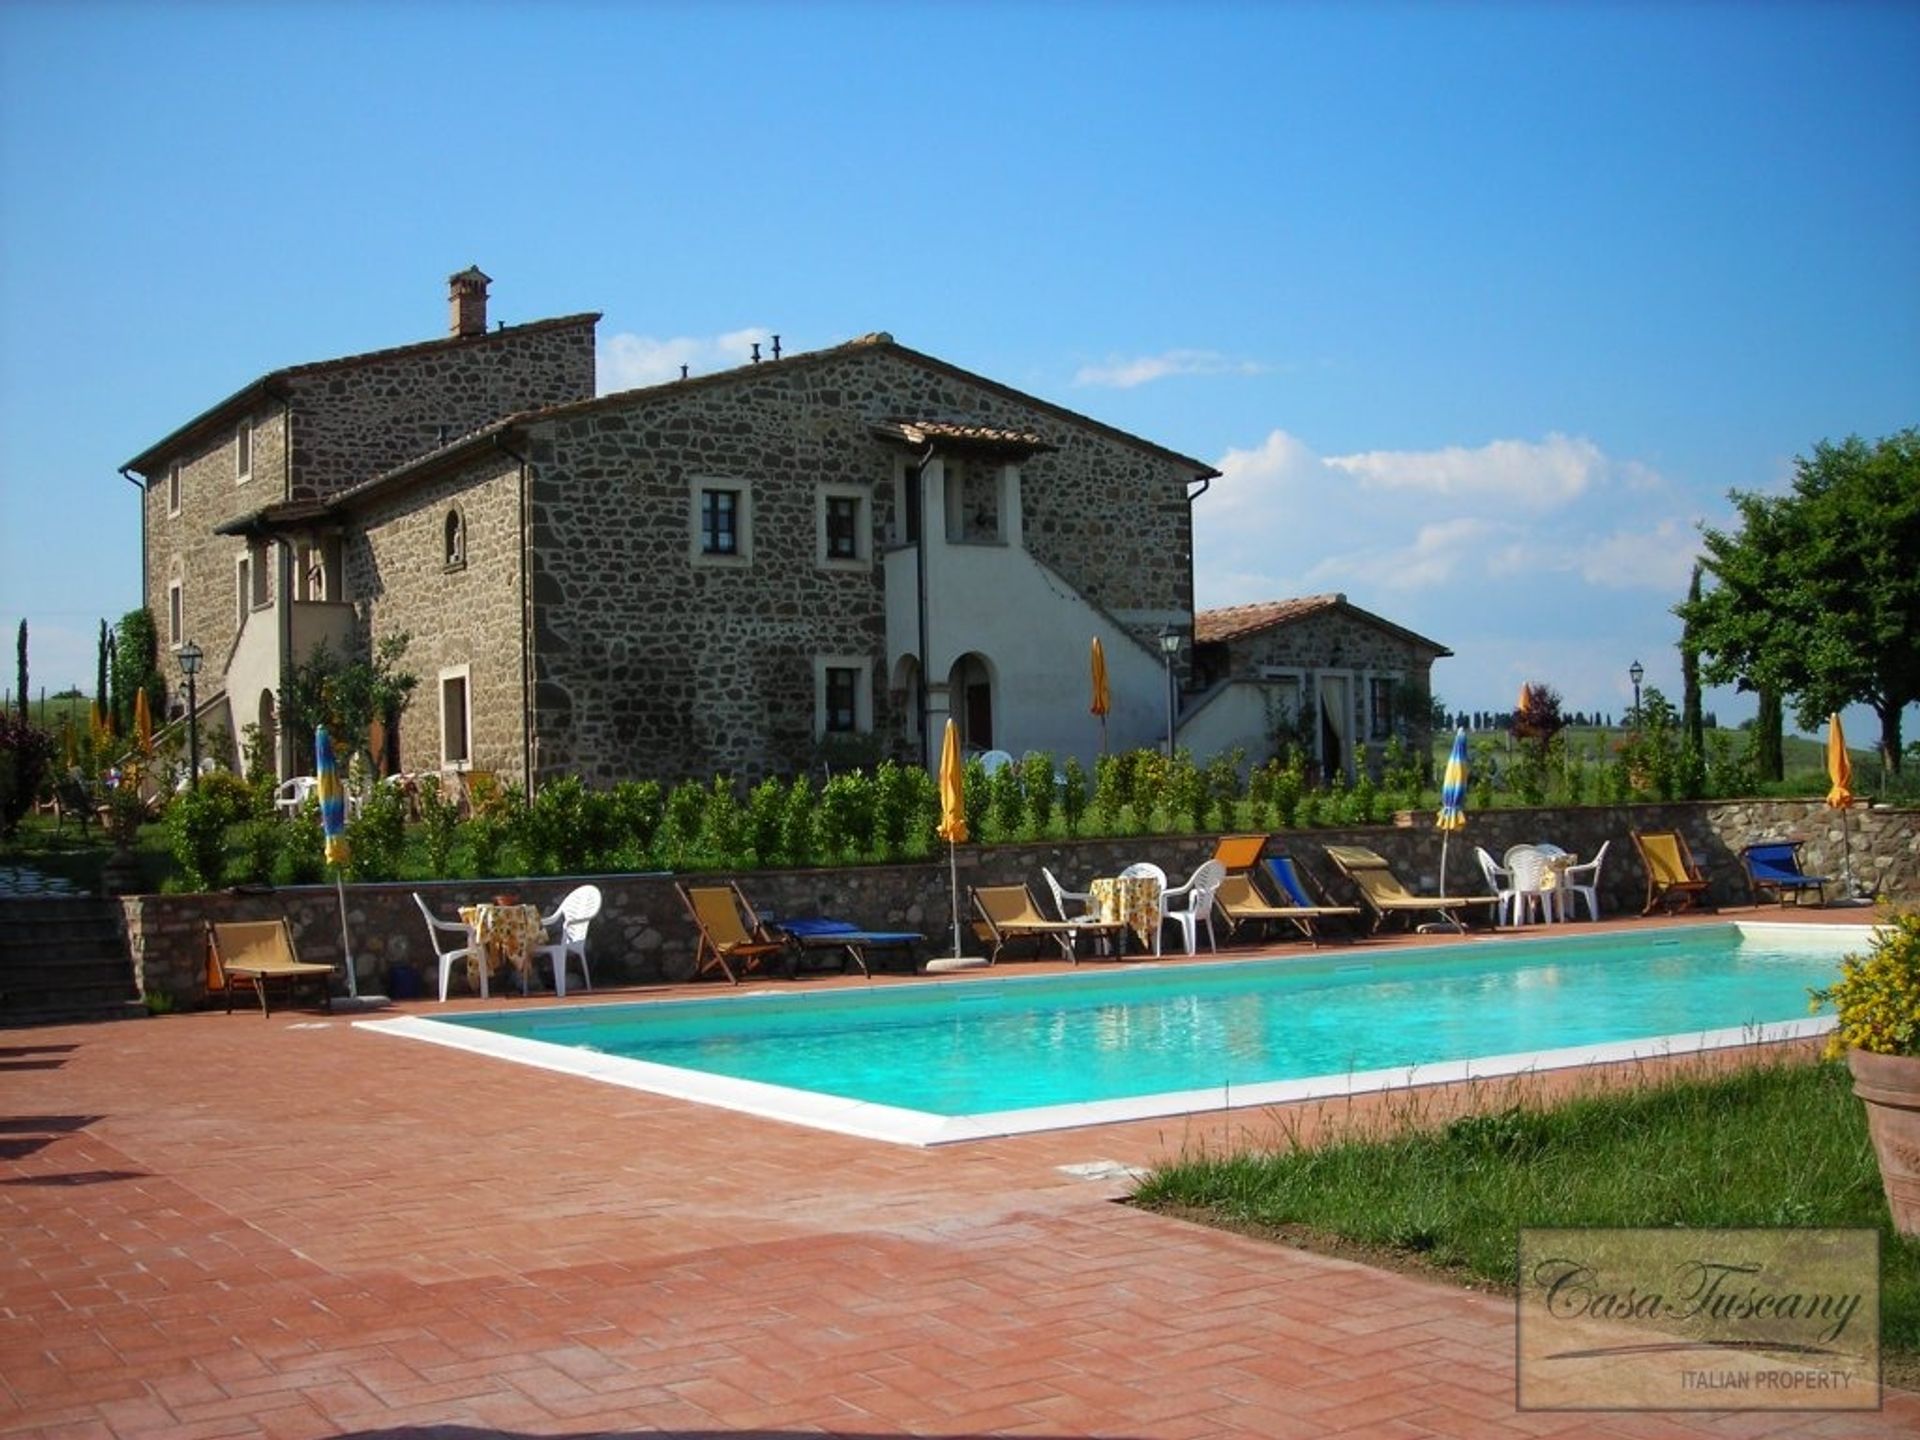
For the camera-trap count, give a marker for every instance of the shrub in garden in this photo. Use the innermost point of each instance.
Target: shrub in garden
(638, 808)
(303, 858)
(723, 826)
(242, 802)
(378, 836)
(797, 842)
(1073, 795)
(439, 823)
(766, 822)
(1036, 778)
(1183, 793)
(1877, 997)
(260, 843)
(196, 825)
(1109, 792)
(680, 829)
(846, 816)
(1009, 804)
(899, 794)
(1223, 786)
(978, 799)
(1363, 802)
(26, 752)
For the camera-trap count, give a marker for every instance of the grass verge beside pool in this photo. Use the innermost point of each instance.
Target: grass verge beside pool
(1777, 1145)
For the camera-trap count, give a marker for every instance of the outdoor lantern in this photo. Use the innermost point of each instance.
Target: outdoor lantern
(1169, 647)
(1636, 674)
(189, 657)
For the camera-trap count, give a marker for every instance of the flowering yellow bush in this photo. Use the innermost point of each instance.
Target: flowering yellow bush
(1878, 998)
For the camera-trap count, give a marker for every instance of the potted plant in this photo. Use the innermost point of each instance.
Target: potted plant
(1877, 999)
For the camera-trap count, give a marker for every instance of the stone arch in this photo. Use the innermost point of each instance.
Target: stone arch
(453, 538)
(971, 687)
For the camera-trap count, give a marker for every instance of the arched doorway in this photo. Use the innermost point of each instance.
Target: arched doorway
(903, 694)
(970, 692)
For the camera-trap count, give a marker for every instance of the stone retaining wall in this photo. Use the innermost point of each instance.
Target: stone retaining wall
(644, 933)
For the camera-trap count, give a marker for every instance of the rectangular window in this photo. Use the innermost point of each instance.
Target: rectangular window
(242, 588)
(843, 700)
(455, 720)
(176, 619)
(260, 563)
(243, 452)
(843, 527)
(719, 522)
(1379, 707)
(173, 490)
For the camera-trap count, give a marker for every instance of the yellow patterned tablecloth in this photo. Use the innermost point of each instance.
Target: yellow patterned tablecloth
(507, 933)
(1136, 902)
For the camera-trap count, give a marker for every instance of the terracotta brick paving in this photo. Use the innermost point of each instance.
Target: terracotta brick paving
(218, 1225)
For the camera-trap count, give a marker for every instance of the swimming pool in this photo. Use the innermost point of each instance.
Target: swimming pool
(930, 1063)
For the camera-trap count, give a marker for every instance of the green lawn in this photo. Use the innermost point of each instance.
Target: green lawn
(1780, 1144)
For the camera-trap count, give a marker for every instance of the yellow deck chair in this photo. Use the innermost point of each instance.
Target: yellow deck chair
(1673, 879)
(1007, 914)
(725, 937)
(1383, 894)
(249, 954)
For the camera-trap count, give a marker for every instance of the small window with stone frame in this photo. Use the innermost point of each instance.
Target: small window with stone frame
(176, 617)
(1380, 707)
(454, 537)
(720, 522)
(243, 452)
(173, 489)
(843, 700)
(843, 527)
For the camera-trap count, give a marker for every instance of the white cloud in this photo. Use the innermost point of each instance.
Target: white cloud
(1122, 373)
(627, 361)
(1435, 555)
(1536, 475)
(1660, 558)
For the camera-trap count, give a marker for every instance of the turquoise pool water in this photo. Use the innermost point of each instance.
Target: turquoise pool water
(1101, 1034)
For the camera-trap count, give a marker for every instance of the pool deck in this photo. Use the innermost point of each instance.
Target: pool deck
(222, 1225)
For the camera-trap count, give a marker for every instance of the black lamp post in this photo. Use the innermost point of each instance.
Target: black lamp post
(1169, 647)
(190, 667)
(1636, 674)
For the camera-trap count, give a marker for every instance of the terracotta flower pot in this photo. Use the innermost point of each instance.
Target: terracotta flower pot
(1890, 1084)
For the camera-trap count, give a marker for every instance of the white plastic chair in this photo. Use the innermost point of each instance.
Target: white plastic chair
(994, 760)
(1147, 870)
(573, 915)
(1582, 881)
(435, 929)
(1500, 881)
(290, 795)
(1191, 905)
(1072, 904)
(1528, 866)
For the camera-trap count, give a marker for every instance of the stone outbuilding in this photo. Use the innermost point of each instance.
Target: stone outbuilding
(1318, 674)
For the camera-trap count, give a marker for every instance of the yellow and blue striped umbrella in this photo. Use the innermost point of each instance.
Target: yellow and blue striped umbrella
(333, 799)
(1453, 799)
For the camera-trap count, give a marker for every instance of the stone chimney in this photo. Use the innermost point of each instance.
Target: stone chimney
(467, 299)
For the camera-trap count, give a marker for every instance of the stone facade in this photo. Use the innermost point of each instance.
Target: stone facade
(648, 659)
(349, 420)
(644, 934)
(462, 615)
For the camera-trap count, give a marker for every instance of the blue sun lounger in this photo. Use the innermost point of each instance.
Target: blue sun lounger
(849, 939)
(1774, 865)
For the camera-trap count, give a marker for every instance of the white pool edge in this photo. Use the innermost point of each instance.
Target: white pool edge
(870, 1121)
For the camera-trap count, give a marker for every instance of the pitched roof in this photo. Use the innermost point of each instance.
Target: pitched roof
(462, 447)
(229, 409)
(1234, 622)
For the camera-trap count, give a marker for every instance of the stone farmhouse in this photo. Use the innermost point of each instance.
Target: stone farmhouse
(820, 555)
(1317, 672)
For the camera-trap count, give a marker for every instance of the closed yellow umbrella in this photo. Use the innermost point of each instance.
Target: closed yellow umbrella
(953, 789)
(143, 721)
(953, 829)
(1839, 765)
(1102, 696)
(1840, 797)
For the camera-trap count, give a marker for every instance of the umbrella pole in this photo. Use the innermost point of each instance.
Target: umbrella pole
(346, 946)
(953, 867)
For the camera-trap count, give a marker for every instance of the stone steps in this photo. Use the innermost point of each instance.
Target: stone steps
(64, 960)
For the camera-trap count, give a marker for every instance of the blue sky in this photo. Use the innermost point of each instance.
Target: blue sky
(1481, 308)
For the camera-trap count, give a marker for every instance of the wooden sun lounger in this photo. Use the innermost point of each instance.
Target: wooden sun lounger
(1673, 879)
(249, 954)
(1008, 914)
(1383, 894)
(1241, 902)
(724, 936)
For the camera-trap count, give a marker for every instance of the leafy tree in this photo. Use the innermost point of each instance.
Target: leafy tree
(135, 657)
(1817, 594)
(347, 696)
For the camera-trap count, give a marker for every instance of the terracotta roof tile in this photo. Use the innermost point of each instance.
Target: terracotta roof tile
(918, 432)
(1232, 621)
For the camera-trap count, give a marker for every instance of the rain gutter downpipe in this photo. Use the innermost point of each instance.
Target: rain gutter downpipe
(529, 747)
(918, 501)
